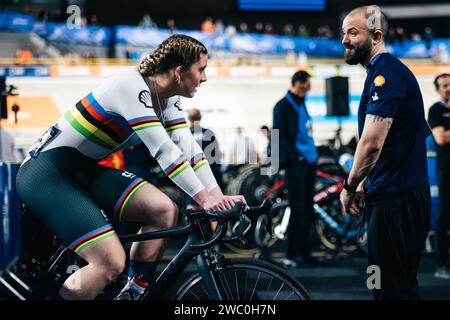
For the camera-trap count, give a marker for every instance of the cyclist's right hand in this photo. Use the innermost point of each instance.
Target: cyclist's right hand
(222, 202)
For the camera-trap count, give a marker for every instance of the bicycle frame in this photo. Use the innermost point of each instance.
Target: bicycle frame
(200, 243)
(180, 261)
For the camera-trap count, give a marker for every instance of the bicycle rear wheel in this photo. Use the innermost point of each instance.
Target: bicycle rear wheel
(244, 280)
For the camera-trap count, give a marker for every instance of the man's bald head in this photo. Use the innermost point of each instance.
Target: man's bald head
(375, 18)
(364, 30)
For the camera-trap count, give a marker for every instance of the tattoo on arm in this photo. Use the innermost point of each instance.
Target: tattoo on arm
(376, 118)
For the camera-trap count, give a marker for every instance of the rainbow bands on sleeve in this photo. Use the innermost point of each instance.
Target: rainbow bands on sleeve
(198, 161)
(176, 167)
(90, 119)
(175, 124)
(144, 123)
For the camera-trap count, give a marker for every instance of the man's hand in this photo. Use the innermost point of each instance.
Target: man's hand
(346, 198)
(352, 202)
(358, 202)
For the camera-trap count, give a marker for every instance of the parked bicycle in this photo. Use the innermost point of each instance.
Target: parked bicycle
(336, 233)
(218, 278)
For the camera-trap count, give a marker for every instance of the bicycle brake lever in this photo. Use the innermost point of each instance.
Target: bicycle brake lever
(242, 227)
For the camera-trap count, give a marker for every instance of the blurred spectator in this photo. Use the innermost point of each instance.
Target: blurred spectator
(128, 52)
(40, 53)
(441, 54)
(291, 58)
(391, 36)
(23, 56)
(94, 20)
(328, 33)
(7, 153)
(42, 16)
(206, 139)
(259, 28)
(89, 55)
(400, 34)
(242, 149)
(346, 159)
(324, 32)
(428, 36)
(131, 53)
(219, 27)
(439, 122)
(71, 57)
(263, 144)
(147, 22)
(302, 31)
(207, 25)
(230, 30)
(320, 32)
(298, 155)
(302, 59)
(268, 29)
(171, 25)
(288, 29)
(243, 27)
(416, 37)
(83, 21)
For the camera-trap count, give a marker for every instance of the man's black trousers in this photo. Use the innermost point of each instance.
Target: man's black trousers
(443, 219)
(397, 230)
(300, 178)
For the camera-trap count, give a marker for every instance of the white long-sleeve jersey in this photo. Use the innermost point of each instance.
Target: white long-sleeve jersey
(119, 114)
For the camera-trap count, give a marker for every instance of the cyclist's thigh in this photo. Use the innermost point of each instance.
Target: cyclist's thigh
(61, 203)
(149, 204)
(125, 196)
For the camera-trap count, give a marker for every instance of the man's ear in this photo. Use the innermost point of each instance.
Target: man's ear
(378, 36)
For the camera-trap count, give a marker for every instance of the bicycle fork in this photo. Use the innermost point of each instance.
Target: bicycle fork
(210, 269)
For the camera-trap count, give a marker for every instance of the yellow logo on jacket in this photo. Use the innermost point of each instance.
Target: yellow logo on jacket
(379, 81)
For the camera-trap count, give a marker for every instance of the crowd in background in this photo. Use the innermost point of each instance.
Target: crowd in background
(217, 25)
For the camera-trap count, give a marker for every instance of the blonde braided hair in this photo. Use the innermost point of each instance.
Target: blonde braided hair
(177, 50)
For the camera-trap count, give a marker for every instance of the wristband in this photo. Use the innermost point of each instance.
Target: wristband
(348, 187)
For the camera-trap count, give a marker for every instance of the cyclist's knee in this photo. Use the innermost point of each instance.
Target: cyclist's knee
(174, 214)
(110, 263)
(116, 265)
(170, 215)
(166, 216)
(113, 265)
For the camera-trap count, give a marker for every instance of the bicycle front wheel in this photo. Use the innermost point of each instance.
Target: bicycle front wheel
(244, 280)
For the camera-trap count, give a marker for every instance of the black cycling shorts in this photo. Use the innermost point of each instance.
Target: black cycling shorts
(78, 199)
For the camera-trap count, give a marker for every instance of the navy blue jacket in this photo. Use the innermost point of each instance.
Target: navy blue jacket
(285, 119)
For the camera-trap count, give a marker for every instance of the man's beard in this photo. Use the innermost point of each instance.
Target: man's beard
(360, 55)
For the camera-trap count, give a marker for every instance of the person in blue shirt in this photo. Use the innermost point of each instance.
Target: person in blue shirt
(439, 120)
(389, 178)
(298, 155)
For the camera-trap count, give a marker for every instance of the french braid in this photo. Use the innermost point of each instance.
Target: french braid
(177, 50)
